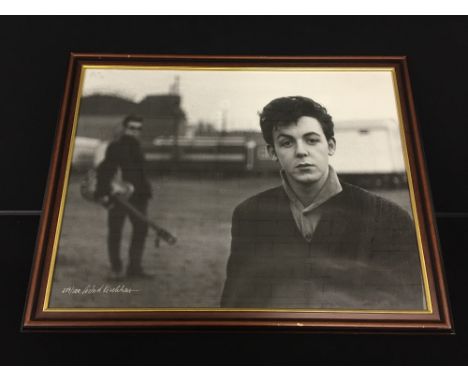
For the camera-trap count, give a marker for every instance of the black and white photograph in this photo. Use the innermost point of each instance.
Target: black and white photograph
(244, 188)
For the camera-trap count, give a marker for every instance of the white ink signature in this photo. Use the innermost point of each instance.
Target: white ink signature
(99, 289)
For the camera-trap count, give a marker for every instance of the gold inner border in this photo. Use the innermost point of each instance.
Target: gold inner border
(427, 294)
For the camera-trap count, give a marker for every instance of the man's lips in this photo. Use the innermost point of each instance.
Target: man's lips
(304, 165)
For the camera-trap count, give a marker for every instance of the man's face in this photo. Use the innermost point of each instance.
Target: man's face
(133, 128)
(302, 150)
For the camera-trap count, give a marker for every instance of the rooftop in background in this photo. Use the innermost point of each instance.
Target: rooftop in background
(156, 104)
(101, 115)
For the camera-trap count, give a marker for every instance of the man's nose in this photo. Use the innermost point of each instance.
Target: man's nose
(301, 150)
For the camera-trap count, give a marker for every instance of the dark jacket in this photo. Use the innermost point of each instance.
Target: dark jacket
(363, 255)
(125, 154)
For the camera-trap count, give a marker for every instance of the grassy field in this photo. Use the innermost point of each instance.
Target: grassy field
(189, 274)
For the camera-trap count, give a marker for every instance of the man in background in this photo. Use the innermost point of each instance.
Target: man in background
(124, 157)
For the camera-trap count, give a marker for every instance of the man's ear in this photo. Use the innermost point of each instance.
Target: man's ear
(272, 152)
(331, 146)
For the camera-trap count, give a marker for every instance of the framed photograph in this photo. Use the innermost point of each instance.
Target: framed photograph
(238, 193)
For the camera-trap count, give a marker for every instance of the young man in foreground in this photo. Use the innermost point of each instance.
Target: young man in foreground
(315, 241)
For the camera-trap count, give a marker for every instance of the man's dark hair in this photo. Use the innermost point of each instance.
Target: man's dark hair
(287, 110)
(132, 118)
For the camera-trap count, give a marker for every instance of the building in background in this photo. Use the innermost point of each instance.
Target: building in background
(101, 116)
(369, 152)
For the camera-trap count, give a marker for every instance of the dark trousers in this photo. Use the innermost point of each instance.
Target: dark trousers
(116, 220)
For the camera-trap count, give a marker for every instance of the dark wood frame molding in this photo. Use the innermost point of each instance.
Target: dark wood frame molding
(37, 319)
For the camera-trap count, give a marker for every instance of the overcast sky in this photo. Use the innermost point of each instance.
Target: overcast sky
(242, 94)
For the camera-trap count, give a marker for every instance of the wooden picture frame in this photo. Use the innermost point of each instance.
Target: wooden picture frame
(434, 317)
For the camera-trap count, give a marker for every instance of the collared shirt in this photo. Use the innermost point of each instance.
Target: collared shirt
(308, 217)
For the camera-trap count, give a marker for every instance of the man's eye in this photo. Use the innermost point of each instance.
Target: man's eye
(285, 143)
(313, 141)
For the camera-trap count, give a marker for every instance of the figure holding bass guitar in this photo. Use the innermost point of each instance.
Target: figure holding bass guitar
(124, 156)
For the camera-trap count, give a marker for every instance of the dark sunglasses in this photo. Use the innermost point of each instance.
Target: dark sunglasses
(136, 128)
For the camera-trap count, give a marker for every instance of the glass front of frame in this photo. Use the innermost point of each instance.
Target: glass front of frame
(175, 199)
